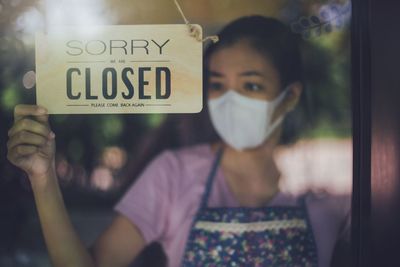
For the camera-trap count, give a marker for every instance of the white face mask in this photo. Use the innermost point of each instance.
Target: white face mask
(244, 122)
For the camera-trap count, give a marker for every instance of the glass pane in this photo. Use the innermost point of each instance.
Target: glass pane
(99, 158)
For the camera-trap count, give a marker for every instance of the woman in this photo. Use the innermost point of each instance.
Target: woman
(215, 204)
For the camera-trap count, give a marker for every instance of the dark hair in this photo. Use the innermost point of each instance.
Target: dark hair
(268, 36)
(275, 41)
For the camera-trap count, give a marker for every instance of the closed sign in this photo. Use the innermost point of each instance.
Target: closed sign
(119, 69)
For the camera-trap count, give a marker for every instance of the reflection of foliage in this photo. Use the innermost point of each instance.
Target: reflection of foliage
(14, 61)
(14, 57)
(108, 151)
(9, 97)
(330, 17)
(81, 139)
(327, 71)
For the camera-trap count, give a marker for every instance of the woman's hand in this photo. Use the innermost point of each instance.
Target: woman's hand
(31, 144)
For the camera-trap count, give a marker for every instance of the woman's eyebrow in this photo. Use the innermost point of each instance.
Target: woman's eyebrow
(246, 73)
(216, 74)
(252, 73)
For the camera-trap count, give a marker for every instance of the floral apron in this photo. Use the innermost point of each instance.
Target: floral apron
(238, 236)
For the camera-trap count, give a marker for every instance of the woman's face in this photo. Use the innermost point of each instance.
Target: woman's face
(241, 68)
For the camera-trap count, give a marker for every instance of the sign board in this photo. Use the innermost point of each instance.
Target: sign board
(119, 69)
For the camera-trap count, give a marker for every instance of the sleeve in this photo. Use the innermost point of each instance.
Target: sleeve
(147, 202)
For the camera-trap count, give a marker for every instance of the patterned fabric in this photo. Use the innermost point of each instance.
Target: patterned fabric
(274, 236)
(245, 227)
(267, 236)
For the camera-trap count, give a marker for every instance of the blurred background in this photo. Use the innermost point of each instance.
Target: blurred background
(99, 156)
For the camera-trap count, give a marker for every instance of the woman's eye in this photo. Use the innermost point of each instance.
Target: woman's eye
(216, 86)
(253, 87)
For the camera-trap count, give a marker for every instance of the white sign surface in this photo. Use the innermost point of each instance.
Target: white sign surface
(119, 69)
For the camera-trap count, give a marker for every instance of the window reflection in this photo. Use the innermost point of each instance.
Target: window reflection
(319, 165)
(105, 153)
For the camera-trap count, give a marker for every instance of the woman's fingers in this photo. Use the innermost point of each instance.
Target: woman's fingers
(19, 154)
(26, 138)
(21, 111)
(21, 151)
(31, 142)
(29, 125)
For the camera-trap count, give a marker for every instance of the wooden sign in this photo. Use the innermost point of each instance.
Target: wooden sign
(119, 69)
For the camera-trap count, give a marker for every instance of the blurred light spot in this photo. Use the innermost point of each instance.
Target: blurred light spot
(114, 158)
(102, 178)
(335, 13)
(29, 79)
(112, 126)
(29, 23)
(75, 149)
(76, 13)
(63, 169)
(9, 98)
(154, 120)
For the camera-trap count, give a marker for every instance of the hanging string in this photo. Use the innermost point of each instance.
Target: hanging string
(193, 30)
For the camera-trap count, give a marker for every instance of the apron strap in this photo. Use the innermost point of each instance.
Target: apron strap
(303, 205)
(210, 178)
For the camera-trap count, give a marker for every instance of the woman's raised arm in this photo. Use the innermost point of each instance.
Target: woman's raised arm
(31, 147)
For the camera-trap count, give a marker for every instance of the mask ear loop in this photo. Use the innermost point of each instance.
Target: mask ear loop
(276, 102)
(193, 30)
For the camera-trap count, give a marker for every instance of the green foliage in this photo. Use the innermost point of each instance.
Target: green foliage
(81, 138)
(155, 120)
(9, 97)
(327, 72)
(112, 126)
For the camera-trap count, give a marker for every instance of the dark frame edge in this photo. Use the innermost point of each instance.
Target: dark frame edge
(361, 125)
